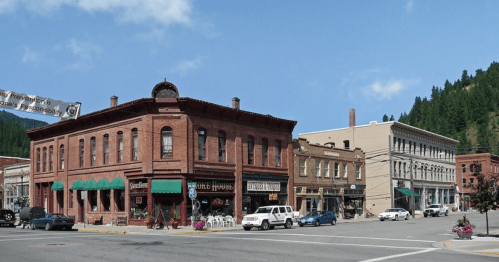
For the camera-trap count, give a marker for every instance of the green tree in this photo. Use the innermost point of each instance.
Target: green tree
(484, 193)
(392, 118)
(385, 118)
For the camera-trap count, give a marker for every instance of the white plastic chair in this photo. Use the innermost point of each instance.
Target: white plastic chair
(230, 221)
(210, 221)
(221, 221)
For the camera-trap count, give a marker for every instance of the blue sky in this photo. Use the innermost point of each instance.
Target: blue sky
(309, 61)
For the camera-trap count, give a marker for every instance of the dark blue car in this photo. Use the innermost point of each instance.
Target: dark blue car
(317, 218)
(51, 221)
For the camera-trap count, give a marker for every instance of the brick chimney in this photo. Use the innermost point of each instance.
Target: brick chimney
(235, 103)
(114, 101)
(352, 117)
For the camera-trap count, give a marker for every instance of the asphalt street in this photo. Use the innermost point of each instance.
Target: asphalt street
(411, 240)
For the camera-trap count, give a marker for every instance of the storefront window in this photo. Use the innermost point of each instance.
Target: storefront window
(312, 204)
(217, 206)
(92, 198)
(106, 199)
(119, 198)
(138, 198)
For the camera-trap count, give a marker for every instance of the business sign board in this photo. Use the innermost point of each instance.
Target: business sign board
(40, 105)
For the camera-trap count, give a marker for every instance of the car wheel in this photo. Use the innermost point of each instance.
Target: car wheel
(47, 226)
(317, 223)
(68, 228)
(333, 222)
(288, 224)
(265, 225)
(447, 213)
(32, 226)
(271, 227)
(8, 216)
(396, 217)
(301, 225)
(247, 228)
(381, 220)
(406, 217)
(425, 215)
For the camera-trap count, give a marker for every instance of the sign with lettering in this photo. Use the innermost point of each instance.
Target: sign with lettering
(138, 185)
(329, 153)
(213, 186)
(263, 186)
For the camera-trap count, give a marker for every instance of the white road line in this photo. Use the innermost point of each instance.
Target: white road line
(400, 255)
(301, 242)
(368, 238)
(68, 236)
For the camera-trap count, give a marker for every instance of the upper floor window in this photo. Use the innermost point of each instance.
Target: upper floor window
(463, 168)
(38, 160)
(317, 168)
(61, 156)
(135, 144)
(326, 168)
(346, 144)
(166, 142)
(120, 147)
(398, 148)
(51, 158)
(303, 167)
(221, 147)
(344, 170)
(202, 144)
(403, 146)
(82, 152)
(44, 159)
(471, 168)
(472, 182)
(277, 153)
(414, 148)
(357, 172)
(251, 149)
(336, 170)
(106, 149)
(265, 148)
(92, 151)
(410, 147)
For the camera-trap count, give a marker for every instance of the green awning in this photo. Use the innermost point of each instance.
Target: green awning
(407, 192)
(117, 183)
(58, 186)
(103, 184)
(90, 185)
(166, 186)
(78, 185)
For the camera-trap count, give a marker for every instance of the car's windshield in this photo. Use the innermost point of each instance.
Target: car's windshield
(314, 213)
(434, 206)
(263, 210)
(392, 210)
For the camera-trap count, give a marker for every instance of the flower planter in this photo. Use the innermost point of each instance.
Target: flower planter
(465, 235)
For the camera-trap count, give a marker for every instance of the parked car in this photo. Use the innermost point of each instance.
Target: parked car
(51, 221)
(317, 218)
(7, 218)
(267, 217)
(394, 214)
(436, 210)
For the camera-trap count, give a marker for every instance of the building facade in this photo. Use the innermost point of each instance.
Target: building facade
(16, 179)
(464, 165)
(4, 188)
(329, 178)
(137, 159)
(399, 157)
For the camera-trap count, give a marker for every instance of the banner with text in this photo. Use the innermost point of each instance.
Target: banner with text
(39, 105)
(263, 186)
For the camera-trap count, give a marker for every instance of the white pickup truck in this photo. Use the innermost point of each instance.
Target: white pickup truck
(436, 210)
(267, 217)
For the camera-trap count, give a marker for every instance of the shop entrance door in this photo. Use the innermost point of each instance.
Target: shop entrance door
(167, 206)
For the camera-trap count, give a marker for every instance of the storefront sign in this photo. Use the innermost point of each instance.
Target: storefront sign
(138, 200)
(273, 197)
(329, 153)
(263, 186)
(138, 185)
(213, 186)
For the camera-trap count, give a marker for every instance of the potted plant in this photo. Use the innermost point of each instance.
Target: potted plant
(463, 228)
(150, 221)
(198, 222)
(175, 219)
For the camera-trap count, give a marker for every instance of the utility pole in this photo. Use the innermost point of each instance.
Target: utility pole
(413, 203)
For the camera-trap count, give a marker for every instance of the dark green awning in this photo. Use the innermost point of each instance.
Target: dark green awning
(78, 185)
(407, 192)
(103, 184)
(117, 183)
(166, 186)
(58, 186)
(90, 185)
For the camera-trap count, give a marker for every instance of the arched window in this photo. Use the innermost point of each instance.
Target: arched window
(38, 160)
(106, 149)
(92, 151)
(135, 144)
(51, 158)
(82, 152)
(202, 144)
(277, 153)
(44, 159)
(221, 147)
(61, 157)
(265, 148)
(120, 147)
(251, 149)
(166, 142)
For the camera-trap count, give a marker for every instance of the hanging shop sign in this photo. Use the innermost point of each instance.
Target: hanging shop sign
(138, 200)
(273, 197)
(263, 186)
(217, 202)
(213, 186)
(40, 105)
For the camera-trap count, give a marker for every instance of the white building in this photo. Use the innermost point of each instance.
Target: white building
(17, 185)
(397, 154)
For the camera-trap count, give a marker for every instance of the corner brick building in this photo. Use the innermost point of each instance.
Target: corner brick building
(135, 159)
(5, 161)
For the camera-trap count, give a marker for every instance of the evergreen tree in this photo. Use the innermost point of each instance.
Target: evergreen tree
(392, 118)
(385, 118)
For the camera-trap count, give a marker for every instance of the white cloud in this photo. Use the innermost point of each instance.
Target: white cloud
(81, 56)
(385, 90)
(30, 56)
(187, 65)
(164, 12)
(409, 5)
(83, 50)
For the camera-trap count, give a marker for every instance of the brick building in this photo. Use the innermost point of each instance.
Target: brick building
(329, 178)
(138, 157)
(4, 161)
(464, 167)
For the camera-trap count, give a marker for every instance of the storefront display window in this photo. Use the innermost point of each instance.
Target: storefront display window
(138, 199)
(217, 206)
(106, 199)
(312, 204)
(119, 198)
(92, 197)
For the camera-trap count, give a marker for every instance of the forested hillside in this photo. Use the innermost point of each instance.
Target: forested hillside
(13, 139)
(466, 110)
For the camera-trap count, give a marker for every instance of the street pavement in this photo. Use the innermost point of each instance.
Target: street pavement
(479, 244)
